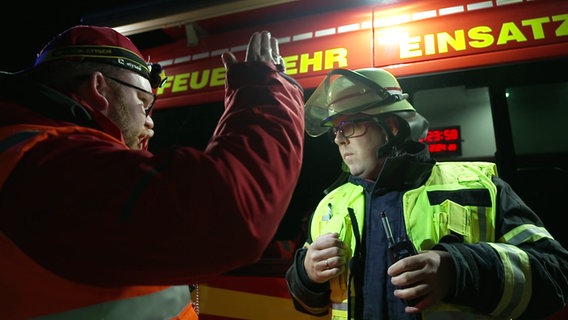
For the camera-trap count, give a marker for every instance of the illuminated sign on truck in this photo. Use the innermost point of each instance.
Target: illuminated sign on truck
(422, 38)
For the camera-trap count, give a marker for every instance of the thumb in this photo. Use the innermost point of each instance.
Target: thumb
(228, 59)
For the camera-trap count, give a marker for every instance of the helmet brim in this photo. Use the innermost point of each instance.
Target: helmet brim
(346, 92)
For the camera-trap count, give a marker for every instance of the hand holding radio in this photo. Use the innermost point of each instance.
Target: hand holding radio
(398, 249)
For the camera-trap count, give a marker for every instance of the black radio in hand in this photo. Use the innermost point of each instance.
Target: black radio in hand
(398, 249)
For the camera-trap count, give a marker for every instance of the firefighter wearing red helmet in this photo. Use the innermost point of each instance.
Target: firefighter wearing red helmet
(406, 237)
(92, 224)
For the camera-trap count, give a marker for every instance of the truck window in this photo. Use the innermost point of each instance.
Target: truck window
(538, 115)
(468, 109)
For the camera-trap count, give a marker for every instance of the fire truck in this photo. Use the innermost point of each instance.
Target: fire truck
(490, 75)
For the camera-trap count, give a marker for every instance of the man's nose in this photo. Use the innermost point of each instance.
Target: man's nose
(340, 138)
(149, 123)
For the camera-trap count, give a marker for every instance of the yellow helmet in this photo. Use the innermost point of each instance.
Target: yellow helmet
(370, 91)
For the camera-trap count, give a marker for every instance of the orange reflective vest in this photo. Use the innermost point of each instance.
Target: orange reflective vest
(30, 291)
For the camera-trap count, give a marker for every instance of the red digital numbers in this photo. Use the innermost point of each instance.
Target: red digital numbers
(451, 134)
(444, 141)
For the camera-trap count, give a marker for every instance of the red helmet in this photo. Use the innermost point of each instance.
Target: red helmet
(100, 44)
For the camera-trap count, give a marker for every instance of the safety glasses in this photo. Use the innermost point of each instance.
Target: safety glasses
(150, 96)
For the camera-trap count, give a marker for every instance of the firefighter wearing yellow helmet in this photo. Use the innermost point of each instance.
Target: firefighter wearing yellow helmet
(370, 91)
(406, 237)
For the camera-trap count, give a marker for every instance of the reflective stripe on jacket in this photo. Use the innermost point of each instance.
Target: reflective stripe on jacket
(432, 211)
(30, 291)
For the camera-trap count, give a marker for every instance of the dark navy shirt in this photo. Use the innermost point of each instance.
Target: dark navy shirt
(376, 299)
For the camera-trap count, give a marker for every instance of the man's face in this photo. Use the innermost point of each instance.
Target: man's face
(133, 96)
(358, 139)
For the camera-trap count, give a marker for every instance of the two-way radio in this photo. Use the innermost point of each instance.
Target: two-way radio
(398, 249)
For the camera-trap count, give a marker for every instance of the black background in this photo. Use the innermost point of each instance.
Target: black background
(26, 28)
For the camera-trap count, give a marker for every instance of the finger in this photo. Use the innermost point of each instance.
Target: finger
(265, 46)
(330, 235)
(275, 48)
(326, 265)
(228, 59)
(278, 61)
(420, 303)
(325, 241)
(253, 49)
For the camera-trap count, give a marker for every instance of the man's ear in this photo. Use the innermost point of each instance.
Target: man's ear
(96, 92)
(393, 125)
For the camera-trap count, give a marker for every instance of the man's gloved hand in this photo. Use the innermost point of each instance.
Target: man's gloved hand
(261, 47)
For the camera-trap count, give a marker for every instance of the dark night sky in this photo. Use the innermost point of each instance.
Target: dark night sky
(25, 28)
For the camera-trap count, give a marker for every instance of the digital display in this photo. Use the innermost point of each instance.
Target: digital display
(444, 141)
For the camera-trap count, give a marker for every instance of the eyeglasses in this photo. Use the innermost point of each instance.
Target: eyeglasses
(150, 95)
(350, 129)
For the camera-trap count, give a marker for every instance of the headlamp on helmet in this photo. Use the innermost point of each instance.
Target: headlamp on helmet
(157, 75)
(100, 44)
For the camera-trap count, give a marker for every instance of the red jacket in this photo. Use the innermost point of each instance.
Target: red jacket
(93, 212)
